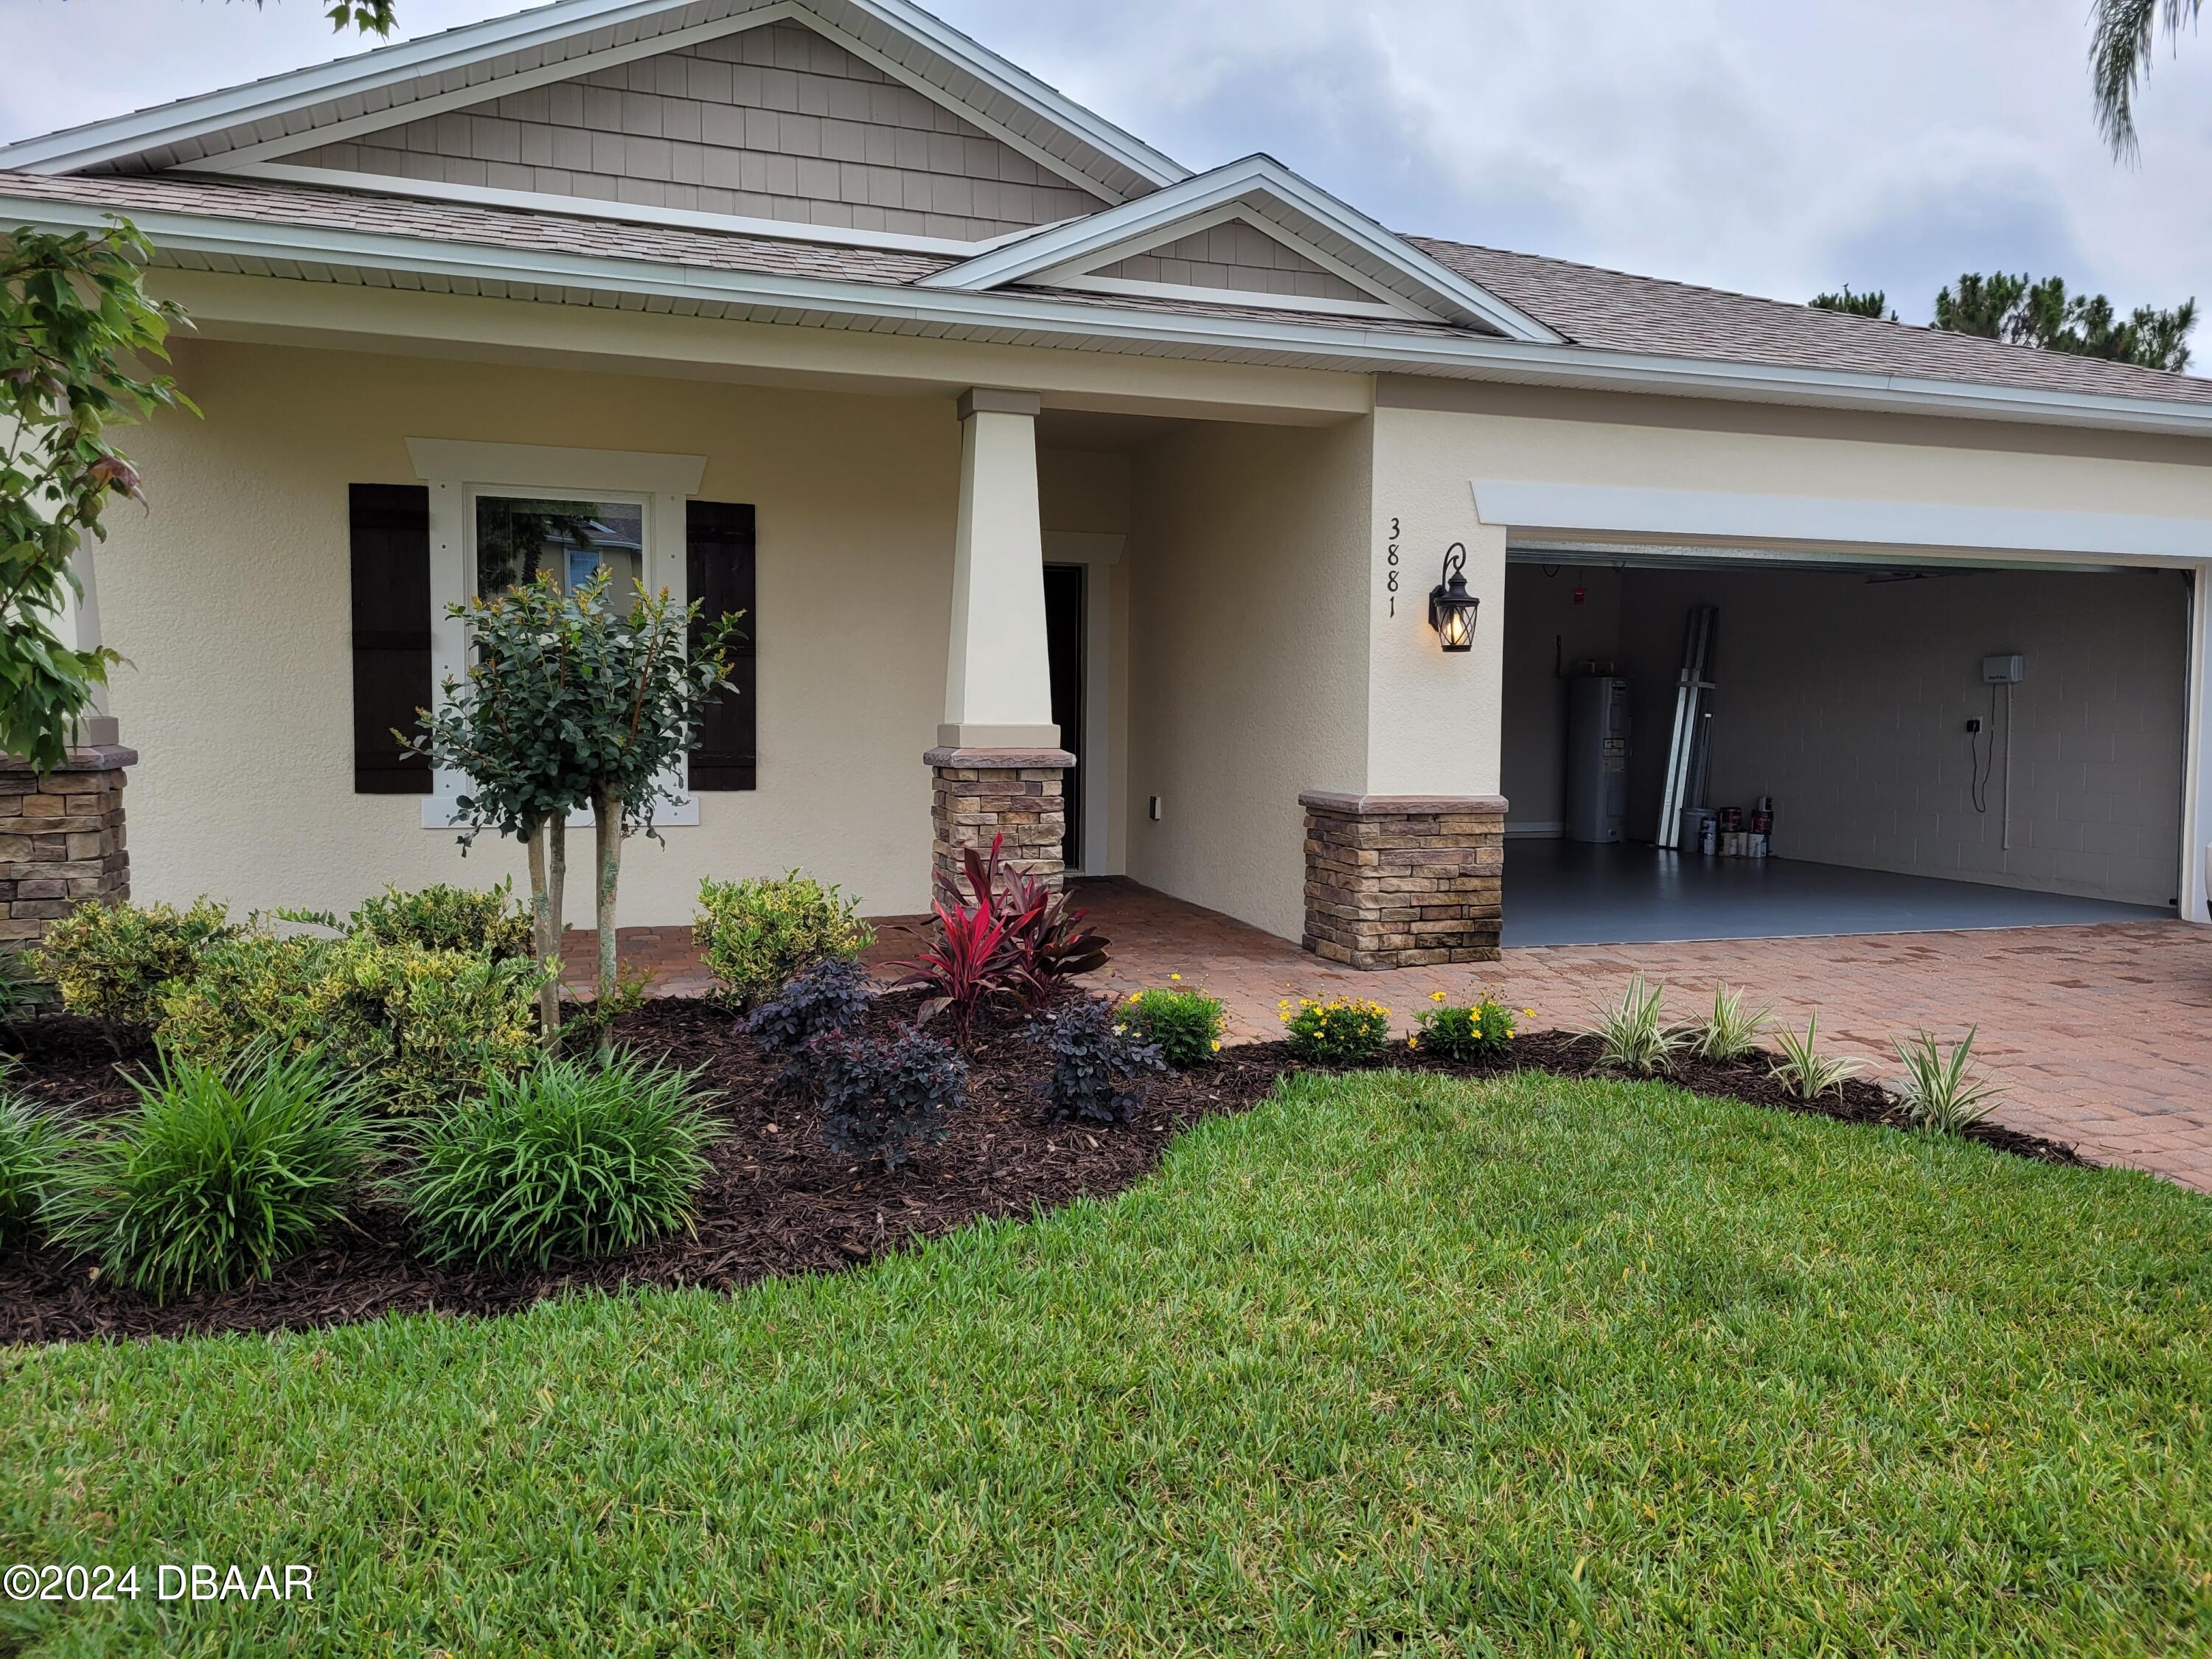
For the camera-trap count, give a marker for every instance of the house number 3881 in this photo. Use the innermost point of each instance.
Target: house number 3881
(1390, 578)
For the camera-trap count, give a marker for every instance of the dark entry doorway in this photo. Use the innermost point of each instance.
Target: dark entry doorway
(1064, 631)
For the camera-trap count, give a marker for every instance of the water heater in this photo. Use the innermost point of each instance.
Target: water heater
(1597, 757)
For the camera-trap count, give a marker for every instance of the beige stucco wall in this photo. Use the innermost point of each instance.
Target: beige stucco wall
(230, 598)
(1247, 656)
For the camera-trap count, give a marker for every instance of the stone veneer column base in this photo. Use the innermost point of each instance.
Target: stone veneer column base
(1404, 881)
(61, 839)
(979, 793)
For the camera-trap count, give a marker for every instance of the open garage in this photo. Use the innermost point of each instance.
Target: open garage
(1940, 744)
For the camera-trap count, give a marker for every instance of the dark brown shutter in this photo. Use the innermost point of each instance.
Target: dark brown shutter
(391, 634)
(718, 548)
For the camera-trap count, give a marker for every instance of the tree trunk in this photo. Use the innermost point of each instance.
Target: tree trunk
(544, 932)
(606, 807)
(557, 880)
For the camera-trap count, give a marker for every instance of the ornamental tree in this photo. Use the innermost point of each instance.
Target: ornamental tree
(630, 716)
(74, 325)
(499, 727)
(570, 700)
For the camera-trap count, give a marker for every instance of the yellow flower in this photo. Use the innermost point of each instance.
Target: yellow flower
(1528, 1012)
(1412, 1043)
(1217, 1045)
(1175, 976)
(1435, 996)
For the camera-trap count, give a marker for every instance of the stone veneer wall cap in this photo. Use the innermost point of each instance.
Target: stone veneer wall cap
(999, 758)
(107, 757)
(1331, 800)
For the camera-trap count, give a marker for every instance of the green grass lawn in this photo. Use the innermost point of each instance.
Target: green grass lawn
(1391, 1364)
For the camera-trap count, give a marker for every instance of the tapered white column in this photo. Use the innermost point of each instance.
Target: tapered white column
(997, 688)
(78, 625)
(997, 766)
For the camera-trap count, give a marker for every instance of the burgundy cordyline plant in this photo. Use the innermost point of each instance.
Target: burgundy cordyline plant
(1002, 935)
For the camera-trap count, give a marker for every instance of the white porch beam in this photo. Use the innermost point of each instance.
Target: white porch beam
(997, 686)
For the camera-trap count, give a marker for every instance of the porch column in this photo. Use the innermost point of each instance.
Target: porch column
(2196, 771)
(998, 762)
(1405, 860)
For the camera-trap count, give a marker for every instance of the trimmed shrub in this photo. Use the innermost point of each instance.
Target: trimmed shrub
(1341, 1031)
(440, 918)
(1482, 1030)
(881, 1095)
(1101, 1071)
(33, 1146)
(574, 1157)
(758, 933)
(424, 1026)
(219, 1175)
(1185, 1026)
(110, 961)
(833, 995)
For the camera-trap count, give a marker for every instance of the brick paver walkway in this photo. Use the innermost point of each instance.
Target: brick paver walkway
(2099, 1036)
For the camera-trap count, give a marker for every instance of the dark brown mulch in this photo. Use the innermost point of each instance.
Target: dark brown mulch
(63, 1061)
(778, 1201)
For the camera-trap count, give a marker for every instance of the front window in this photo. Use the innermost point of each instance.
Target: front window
(519, 537)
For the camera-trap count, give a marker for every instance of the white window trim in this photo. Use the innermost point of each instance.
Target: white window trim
(457, 473)
(1098, 554)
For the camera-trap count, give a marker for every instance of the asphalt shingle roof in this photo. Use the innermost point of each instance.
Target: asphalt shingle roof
(1601, 310)
(1614, 311)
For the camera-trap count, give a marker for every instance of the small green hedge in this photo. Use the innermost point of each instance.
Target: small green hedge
(110, 962)
(423, 1025)
(758, 933)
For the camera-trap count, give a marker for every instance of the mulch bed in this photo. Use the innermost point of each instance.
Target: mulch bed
(778, 1201)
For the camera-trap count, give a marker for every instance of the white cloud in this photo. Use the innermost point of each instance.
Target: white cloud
(1775, 149)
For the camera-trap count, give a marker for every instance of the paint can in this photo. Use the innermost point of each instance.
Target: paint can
(1762, 817)
(1755, 845)
(1731, 843)
(1731, 818)
(1709, 836)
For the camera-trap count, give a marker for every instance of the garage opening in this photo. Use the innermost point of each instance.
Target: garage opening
(1869, 747)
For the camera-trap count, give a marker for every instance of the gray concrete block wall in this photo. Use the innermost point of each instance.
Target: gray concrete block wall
(1847, 700)
(1235, 256)
(775, 123)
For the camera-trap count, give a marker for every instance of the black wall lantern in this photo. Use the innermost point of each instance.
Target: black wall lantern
(1451, 607)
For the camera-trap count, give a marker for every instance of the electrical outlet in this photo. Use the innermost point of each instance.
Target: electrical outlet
(1153, 807)
(1973, 726)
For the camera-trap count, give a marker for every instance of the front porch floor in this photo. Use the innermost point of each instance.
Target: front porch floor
(2099, 1034)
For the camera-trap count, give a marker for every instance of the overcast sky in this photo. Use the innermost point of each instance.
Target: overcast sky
(1776, 147)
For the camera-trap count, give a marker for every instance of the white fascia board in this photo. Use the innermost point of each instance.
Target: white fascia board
(1101, 235)
(1695, 516)
(593, 207)
(1315, 341)
(75, 148)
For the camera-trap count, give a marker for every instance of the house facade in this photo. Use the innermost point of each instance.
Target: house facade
(1072, 494)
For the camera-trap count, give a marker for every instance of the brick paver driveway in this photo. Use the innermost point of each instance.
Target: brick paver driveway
(2099, 1036)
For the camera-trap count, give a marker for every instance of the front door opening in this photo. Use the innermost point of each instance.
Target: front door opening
(1064, 634)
